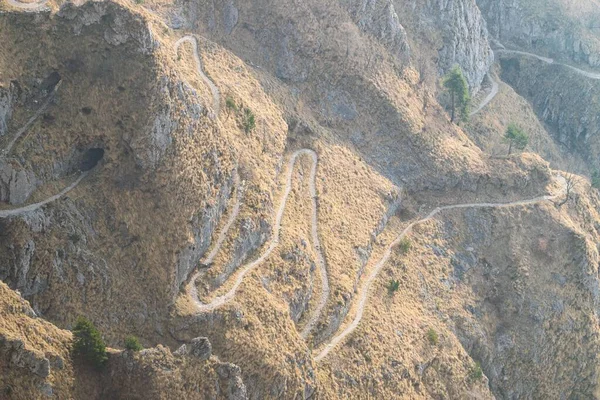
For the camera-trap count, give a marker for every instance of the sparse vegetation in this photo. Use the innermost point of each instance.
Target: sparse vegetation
(433, 337)
(476, 373)
(393, 286)
(405, 245)
(88, 343)
(570, 184)
(230, 104)
(596, 179)
(133, 343)
(456, 84)
(516, 137)
(249, 122)
(139, 1)
(75, 237)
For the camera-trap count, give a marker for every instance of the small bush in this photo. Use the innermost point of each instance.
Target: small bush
(405, 246)
(133, 343)
(393, 287)
(139, 1)
(476, 373)
(249, 120)
(230, 103)
(433, 337)
(88, 343)
(75, 237)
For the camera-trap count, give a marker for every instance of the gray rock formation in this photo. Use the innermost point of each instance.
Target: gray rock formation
(231, 378)
(465, 38)
(120, 27)
(16, 185)
(204, 226)
(5, 109)
(199, 347)
(19, 356)
(180, 107)
(252, 235)
(379, 18)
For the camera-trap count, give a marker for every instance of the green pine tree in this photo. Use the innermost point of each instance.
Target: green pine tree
(516, 137)
(88, 343)
(456, 84)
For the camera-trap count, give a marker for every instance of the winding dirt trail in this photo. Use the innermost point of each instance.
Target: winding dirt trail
(31, 120)
(587, 74)
(28, 6)
(223, 299)
(489, 97)
(386, 256)
(216, 95)
(35, 206)
(192, 288)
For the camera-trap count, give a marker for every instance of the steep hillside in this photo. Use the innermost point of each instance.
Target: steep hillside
(274, 184)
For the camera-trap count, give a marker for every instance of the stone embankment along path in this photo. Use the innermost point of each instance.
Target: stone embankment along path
(494, 91)
(587, 74)
(35, 6)
(32, 207)
(216, 95)
(364, 293)
(274, 242)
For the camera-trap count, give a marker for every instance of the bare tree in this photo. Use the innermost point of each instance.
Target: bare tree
(571, 181)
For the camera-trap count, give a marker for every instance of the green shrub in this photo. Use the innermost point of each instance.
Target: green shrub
(139, 1)
(405, 246)
(393, 287)
(133, 343)
(88, 343)
(433, 337)
(230, 103)
(476, 373)
(249, 120)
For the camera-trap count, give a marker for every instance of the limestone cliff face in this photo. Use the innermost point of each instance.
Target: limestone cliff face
(380, 19)
(455, 29)
(556, 28)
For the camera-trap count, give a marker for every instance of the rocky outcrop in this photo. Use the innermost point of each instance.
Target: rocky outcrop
(379, 18)
(6, 101)
(252, 234)
(203, 226)
(199, 347)
(16, 184)
(120, 26)
(186, 373)
(234, 386)
(20, 357)
(181, 108)
(465, 38)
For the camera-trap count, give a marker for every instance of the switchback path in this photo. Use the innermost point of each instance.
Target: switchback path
(28, 6)
(35, 206)
(192, 289)
(587, 74)
(386, 256)
(213, 88)
(31, 120)
(489, 97)
(221, 300)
